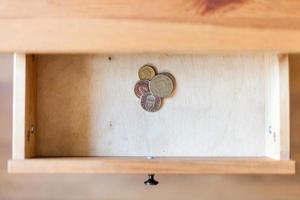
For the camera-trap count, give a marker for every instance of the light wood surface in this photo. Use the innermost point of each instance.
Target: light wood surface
(87, 106)
(155, 166)
(78, 114)
(172, 10)
(19, 107)
(125, 187)
(24, 109)
(284, 107)
(149, 26)
(277, 115)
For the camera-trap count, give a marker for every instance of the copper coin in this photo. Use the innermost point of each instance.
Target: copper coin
(161, 85)
(150, 102)
(147, 72)
(141, 87)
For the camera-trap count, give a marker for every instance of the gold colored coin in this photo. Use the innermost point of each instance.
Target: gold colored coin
(146, 72)
(161, 85)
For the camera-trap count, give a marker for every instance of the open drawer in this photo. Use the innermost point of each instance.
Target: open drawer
(78, 114)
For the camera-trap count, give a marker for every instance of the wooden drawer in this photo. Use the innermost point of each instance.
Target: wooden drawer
(78, 114)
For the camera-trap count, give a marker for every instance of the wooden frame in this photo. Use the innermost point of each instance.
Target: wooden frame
(277, 160)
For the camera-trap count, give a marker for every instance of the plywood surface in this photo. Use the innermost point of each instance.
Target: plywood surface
(120, 187)
(149, 26)
(86, 106)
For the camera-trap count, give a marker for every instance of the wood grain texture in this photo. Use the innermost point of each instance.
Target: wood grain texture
(156, 166)
(149, 26)
(167, 10)
(87, 106)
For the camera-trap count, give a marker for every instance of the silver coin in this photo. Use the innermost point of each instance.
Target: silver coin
(150, 102)
(161, 85)
(171, 77)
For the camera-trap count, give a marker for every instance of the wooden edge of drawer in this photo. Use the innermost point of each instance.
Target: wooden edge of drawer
(110, 165)
(132, 36)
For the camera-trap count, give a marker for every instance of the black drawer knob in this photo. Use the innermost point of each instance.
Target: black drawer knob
(151, 181)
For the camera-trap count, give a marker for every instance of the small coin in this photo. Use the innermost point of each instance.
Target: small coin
(141, 87)
(161, 85)
(146, 72)
(150, 102)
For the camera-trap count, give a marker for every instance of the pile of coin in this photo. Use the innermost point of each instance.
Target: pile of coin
(153, 87)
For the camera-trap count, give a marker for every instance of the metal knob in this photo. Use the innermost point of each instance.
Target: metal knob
(151, 181)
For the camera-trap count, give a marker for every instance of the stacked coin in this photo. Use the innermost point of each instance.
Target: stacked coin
(152, 87)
